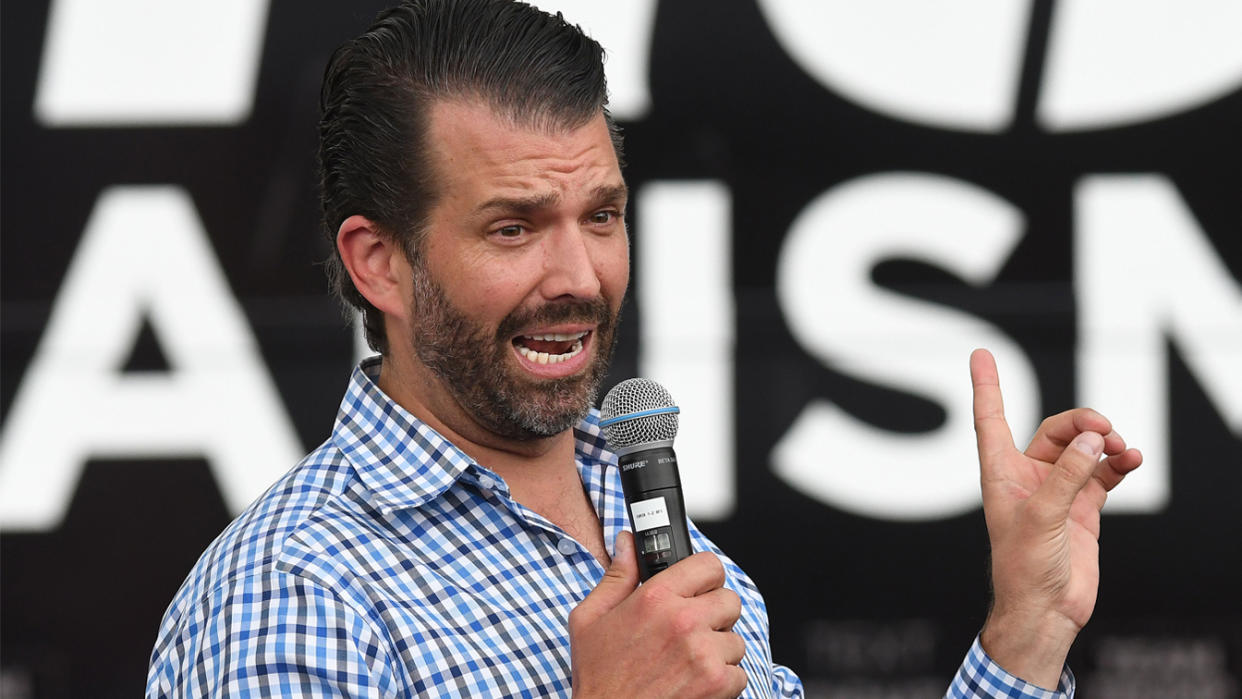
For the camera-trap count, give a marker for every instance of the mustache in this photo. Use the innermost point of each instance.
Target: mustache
(596, 311)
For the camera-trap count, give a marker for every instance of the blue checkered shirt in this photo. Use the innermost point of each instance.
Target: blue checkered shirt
(388, 563)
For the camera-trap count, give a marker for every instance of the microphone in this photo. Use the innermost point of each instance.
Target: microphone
(639, 419)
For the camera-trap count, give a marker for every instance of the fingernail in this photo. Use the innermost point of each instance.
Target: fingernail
(1090, 443)
(622, 545)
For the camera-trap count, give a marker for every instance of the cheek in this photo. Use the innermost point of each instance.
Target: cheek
(614, 272)
(492, 294)
(478, 286)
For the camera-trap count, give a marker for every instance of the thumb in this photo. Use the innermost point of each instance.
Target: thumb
(618, 582)
(1070, 473)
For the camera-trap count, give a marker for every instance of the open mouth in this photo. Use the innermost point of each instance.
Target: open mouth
(550, 348)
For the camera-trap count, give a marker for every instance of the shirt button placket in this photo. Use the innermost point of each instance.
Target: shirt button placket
(568, 547)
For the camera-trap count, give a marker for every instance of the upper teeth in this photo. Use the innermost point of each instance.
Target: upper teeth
(558, 337)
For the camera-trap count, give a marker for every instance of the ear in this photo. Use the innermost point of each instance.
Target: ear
(376, 263)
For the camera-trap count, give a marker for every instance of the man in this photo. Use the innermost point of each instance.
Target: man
(461, 533)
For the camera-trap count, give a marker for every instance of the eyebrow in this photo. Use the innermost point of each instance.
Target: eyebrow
(519, 204)
(607, 193)
(611, 193)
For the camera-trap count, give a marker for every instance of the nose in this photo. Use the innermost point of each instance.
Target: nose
(569, 265)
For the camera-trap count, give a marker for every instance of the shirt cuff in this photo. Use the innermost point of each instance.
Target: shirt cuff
(979, 676)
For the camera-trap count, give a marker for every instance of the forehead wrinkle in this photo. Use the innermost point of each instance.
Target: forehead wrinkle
(547, 153)
(526, 171)
(547, 200)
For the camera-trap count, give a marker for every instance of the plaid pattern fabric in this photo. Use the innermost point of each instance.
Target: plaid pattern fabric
(388, 564)
(980, 677)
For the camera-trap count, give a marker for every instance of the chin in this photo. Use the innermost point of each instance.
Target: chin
(542, 408)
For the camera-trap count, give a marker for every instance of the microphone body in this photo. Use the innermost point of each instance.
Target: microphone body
(640, 422)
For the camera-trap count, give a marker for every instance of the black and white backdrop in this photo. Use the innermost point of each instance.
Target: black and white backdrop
(832, 204)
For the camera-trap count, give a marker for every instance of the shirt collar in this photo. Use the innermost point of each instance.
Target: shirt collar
(406, 463)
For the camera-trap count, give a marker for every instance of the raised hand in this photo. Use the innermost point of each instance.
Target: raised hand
(672, 637)
(1042, 508)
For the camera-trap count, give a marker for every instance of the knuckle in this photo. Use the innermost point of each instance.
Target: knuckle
(577, 620)
(737, 680)
(1065, 473)
(739, 646)
(727, 603)
(703, 653)
(683, 622)
(715, 567)
(1092, 419)
(652, 590)
(645, 602)
(718, 678)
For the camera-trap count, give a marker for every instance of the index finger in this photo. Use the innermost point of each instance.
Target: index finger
(692, 576)
(991, 430)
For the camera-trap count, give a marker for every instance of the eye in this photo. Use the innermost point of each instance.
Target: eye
(510, 231)
(604, 217)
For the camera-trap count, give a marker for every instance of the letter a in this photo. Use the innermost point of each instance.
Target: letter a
(144, 252)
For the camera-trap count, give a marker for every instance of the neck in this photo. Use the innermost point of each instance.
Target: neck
(536, 470)
(541, 473)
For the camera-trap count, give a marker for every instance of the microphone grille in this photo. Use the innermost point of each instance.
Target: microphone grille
(638, 396)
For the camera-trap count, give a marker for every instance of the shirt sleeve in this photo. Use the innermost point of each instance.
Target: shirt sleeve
(980, 676)
(286, 637)
(785, 683)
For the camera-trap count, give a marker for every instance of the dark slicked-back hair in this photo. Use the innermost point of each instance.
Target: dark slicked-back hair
(531, 68)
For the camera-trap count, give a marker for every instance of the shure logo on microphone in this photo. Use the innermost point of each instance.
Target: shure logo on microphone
(634, 465)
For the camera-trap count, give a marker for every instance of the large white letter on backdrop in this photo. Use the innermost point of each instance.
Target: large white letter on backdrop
(841, 317)
(1145, 272)
(687, 331)
(953, 64)
(144, 253)
(130, 62)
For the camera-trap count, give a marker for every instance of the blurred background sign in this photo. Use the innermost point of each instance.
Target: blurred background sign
(833, 202)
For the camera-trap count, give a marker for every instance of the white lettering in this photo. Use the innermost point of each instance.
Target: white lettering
(837, 313)
(1116, 62)
(144, 251)
(953, 63)
(131, 62)
(687, 331)
(1145, 272)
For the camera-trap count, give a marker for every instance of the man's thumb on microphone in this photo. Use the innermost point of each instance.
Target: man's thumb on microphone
(620, 579)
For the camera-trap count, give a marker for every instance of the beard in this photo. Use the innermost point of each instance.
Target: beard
(476, 368)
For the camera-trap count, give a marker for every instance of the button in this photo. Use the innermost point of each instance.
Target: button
(567, 546)
(487, 483)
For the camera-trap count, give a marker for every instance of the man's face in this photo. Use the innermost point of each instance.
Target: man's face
(522, 270)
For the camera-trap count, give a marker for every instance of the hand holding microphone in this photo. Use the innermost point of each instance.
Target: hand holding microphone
(673, 636)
